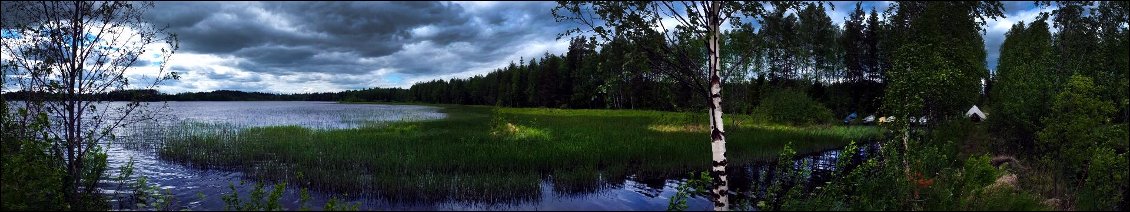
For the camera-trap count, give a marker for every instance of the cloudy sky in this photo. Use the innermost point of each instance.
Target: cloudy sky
(296, 47)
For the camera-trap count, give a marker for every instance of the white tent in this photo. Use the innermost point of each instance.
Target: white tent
(975, 114)
(869, 119)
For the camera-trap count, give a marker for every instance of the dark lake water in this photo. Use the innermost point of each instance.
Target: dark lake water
(186, 183)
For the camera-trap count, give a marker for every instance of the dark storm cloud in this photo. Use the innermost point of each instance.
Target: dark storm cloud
(357, 38)
(211, 74)
(275, 56)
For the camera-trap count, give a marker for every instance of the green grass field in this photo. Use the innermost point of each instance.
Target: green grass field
(494, 154)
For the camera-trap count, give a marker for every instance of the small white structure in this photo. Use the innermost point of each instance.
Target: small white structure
(869, 119)
(975, 114)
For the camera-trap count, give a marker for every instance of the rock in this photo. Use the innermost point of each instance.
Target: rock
(999, 160)
(1006, 181)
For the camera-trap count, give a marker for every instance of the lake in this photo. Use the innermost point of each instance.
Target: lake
(186, 182)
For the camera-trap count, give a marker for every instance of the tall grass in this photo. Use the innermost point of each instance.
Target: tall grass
(487, 154)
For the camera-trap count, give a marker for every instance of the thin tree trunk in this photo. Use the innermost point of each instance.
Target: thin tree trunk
(906, 166)
(906, 151)
(717, 132)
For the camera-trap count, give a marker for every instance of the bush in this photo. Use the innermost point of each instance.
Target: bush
(877, 183)
(31, 177)
(1078, 122)
(1106, 182)
(1007, 200)
(792, 107)
(978, 173)
(35, 179)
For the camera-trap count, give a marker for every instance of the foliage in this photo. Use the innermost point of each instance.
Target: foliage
(793, 107)
(1105, 187)
(31, 176)
(1007, 200)
(879, 183)
(1073, 126)
(149, 197)
(940, 60)
(696, 185)
(789, 181)
(871, 184)
(256, 198)
(34, 179)
(854, 43)
(333, 205)
(863, 68)
(1075, 43)
(255, 201)
(820, 52)
(1022, 89)
(978, 173)
(984, 187)
(1094, 45)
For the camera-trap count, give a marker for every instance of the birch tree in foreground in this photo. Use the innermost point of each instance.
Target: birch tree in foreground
(646, 24)
(62, 57)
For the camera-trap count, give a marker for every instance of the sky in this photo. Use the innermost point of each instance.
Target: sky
(299, 47)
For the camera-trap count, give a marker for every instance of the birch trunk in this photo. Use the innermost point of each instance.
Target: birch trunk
(717, 133)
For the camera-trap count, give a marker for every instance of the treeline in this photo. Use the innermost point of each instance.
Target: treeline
(229, 95)
(842, 68)
(151, 95)
(582, 78)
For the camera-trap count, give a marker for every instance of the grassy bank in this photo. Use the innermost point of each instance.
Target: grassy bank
(493, 154)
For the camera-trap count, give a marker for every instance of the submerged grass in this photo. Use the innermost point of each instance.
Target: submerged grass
(493, 154)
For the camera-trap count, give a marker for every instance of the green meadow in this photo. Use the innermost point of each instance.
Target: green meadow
(480, 153)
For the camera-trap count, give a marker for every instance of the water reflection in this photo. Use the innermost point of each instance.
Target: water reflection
(755, 179)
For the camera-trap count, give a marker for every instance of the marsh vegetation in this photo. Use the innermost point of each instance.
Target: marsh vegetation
(481, 154)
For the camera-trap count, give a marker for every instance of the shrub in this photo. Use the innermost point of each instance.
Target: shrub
(1076, 122)
(792, 107)
(984, 191)
(1106, 182)
(1007, 200)
(31, 177)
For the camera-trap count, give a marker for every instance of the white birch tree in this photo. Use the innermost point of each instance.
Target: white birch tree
(657, 29)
